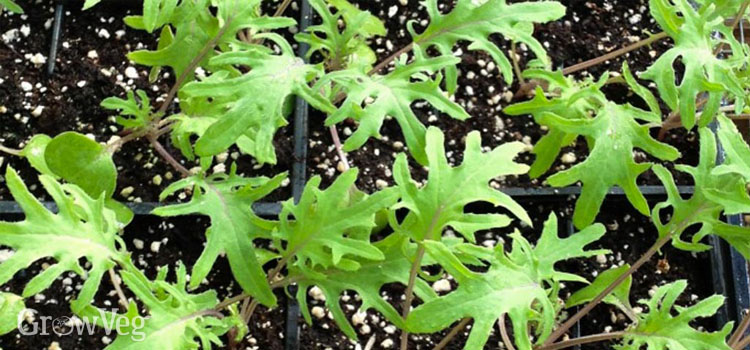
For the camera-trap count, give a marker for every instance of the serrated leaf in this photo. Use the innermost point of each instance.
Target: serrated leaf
(11, 306)
(82, 222)
(614, 132)
(175, 318)
(134, 113)
(367, 281)
(372, 25)
(227, 199)
(658, 329)
(551, 249)
(714, 195)
(736, 149)
(704, 73)
(82, 161)
(568, 101)
(440, 202)
(393, 95)
(620, 297)
(331, 228)
(476, 22)
(346, 47)
(252, 104)
(196, 24)
(521, 284)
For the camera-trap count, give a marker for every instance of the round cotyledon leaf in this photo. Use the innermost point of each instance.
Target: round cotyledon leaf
(82, 161)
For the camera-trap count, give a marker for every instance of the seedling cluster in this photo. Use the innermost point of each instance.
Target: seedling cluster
(339, 238)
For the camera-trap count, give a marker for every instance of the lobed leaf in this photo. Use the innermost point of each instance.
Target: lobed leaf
(475, 22)
(440, 202)
(82, 222)
(370, 99)
(175, 317)
(331, 228)
(228, 199)
(704, 73)
(658, 329)
(716, 193)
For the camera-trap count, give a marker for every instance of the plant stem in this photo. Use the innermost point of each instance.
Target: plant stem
(452, 334)
(583, 340)
(416, 265)
(516, 66)
(280, 10)
(191, 68)
(504, 333)
(11, 151)
(390, 59)
(741, 329)
(742, 344)
(237, 298)
(614, 54)
(118, 289)
(339, 147)
(678, 228)
(168, 157)
(586, 309)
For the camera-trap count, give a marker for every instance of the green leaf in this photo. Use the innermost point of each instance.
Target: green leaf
(227, 199)
(139, 109)
(440, 202)
(345, 47)
(522, 284)
(714, 195)
(157, 12)
(331, 227)
(196, 24)
(704, 73)
(83, 162)
(11, 306)
(90, 3)
(551, 249)
(620, 297)
(572, 99)
(736, 149)
(175, 317)
(476, 21)
(11, 6)
(35, 151)
(614, 132)
(393, 95)
(251, 104)
(367, 281)
(372, 25)
(658, 329)
(82, 222)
